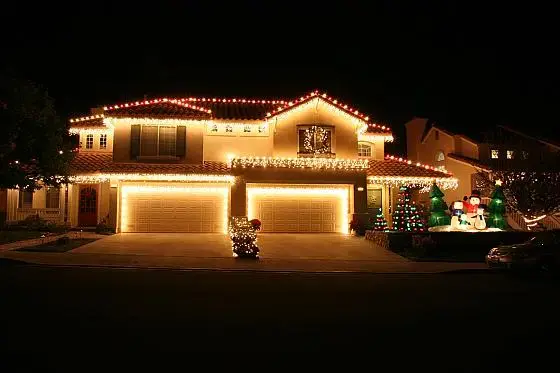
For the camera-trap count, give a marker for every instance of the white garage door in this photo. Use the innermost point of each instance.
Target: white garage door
(293, 209)
(179, 209)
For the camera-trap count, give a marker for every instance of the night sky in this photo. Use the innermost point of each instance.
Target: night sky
(466, 65)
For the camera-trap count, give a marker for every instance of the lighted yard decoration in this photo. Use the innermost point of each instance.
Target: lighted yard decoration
(244, 237)
(438, 208)
(379, 222)
(497, 208)
(407, 217)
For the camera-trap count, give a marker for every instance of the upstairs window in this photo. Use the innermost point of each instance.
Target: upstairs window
(440, 156)
(103, 141)
(157, 141)
(524, 154)
(89, 141)
(315, 140)
(509, 154)
(247, 128)
(53, 198)
(494, 154)
(25, 199)
(364, 150)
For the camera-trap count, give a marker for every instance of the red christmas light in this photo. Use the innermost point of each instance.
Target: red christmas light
(418, 164)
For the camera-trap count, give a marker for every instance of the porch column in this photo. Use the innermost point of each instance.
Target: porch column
(238, 198)
(113, 195)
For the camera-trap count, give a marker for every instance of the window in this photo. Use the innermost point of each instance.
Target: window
(315, 140)
(214, 128)
(509, 154)
(25, 199)
(247, 128)
(158, 141)
(437, 135)
(364, 150)
(262, 128)
(494, 153)
(103, 141)
(229, 128)
(374, 199)
(524, 154)
(89, 141)
(53, 198)
(440, 156)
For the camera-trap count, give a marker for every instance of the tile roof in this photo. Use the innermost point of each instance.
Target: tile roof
(389, 167)
(88, 123)
(160, 109)
(468, 160)
(238, 110)
(91, 162)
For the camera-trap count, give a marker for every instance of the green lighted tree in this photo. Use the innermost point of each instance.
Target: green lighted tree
(379, 222)
(438, 208)
(497, 208)
(407, 216)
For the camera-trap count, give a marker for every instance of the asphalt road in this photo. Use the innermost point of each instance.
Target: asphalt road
(460, 321)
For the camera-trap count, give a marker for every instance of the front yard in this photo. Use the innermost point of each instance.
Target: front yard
(58, 246)
(20, 235)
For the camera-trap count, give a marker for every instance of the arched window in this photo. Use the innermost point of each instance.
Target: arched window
(364, 149)
(440, 157)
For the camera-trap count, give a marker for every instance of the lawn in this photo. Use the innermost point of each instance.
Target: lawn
(53, 247)
(13, 236)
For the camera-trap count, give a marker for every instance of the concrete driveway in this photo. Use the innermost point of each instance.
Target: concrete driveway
(273, 246)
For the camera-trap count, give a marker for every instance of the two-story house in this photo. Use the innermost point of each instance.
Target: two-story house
(498, 148)
(186, 165)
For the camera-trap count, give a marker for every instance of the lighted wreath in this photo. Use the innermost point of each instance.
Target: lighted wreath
(316, 140)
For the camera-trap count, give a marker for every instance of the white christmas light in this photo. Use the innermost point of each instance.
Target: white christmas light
(316, 163)
(415, 181)
(102, 178)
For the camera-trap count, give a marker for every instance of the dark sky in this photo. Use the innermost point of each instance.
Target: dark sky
(466, 65)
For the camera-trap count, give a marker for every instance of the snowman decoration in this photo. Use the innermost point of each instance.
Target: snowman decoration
(471, 205)
(456, 212)
(480, 223)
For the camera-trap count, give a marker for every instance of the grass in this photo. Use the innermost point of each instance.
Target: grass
(13, 236)
(53, 247)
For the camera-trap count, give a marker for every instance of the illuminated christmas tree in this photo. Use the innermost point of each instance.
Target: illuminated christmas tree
(407, 216)
(379, 222)
(438, 208)
(497, 208)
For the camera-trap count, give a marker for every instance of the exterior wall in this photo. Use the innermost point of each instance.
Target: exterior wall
(103, 201)
(218, 147)
(430, 147)
(121, 147)
(345, 139)
(463, 173)
(414, 130)
(465, 148)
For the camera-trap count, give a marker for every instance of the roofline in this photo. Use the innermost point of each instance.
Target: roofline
(450, 156)
(450, 134)
(507, 128)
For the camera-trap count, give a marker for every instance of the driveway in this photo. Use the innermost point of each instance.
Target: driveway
(273, 246)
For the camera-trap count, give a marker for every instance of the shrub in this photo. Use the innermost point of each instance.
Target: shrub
(63, 240)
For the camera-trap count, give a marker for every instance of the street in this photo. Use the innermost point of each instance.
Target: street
(471, 319)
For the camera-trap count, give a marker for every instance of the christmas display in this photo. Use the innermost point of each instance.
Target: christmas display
(317, 140)
(379, 222)
(407, 215)
(317, 163)
(438, 208)
(497, 208)
(244, 237)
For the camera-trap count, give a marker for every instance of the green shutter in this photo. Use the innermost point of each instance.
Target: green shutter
(134, 141)
(181, 146)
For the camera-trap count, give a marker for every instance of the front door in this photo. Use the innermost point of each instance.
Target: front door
(87, 213)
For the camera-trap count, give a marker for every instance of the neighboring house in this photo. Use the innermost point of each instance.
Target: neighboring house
(186, 165)
(499, 148)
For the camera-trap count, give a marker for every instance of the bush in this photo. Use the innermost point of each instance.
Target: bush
(63, 240)
(103, 227)
(36, 223)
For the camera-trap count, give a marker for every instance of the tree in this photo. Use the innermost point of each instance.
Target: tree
(35, 145)
(497, 208)
(379, 222)
(407, 215)
(438, 208)
(532, 193)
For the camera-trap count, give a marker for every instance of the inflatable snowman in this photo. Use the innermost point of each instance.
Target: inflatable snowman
(480, 223)
(456, 212)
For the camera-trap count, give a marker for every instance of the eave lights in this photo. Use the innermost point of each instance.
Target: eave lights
(423, 182)
(157, 101)
(417, 164)
(101, 178)
(316, 163)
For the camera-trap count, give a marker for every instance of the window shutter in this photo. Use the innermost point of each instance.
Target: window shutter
(134, 141)
(181, 146)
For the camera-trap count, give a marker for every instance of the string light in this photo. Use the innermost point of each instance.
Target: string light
(371, 137)
(243, 237)
(86, 131)
(153, 121)
(83, 119)
(315, 163)
(102, 178)
(233, 100)
(235, 129)
(423, 182)
(417, 164)
(157, 101)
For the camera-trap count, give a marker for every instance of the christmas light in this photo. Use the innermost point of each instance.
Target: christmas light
(251, 129)
(87, 131)
(417, 164)
(223, 192)
(315, 163)
(102, 178)
(113, 122)
(534, 220)
(341, 193)
(89, 117)
(157, 101)
(243, 237)
(373, 137)
(423, 182)
(233, 100)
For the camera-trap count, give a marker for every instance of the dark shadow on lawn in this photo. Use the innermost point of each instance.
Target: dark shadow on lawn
(58, 246)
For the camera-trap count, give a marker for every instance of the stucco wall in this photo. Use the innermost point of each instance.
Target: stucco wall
(121, 146)
(345, 139)
(96, 148)
(217, 148)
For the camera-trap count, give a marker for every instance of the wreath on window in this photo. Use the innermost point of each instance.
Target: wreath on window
(317, 140)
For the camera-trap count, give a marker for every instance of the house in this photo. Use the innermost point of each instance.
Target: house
(187, 164)
(498, 148)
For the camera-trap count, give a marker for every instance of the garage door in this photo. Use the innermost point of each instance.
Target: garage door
(174, 209)
(299, 209)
